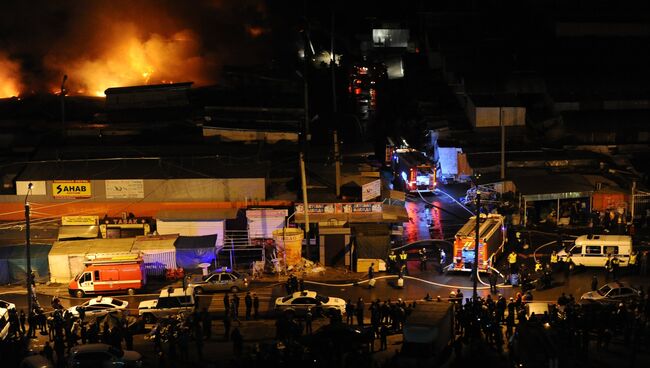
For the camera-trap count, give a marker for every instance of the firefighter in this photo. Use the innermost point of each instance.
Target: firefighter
(632, 262)
(512, 261)
(538, 266)
(392, 261)
(554, 261)
(402, 260)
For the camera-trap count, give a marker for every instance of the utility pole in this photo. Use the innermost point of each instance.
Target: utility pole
(28, 256)
(476, 245)
(304, 199)
(337, 164)
(332, 64)
(503, 145)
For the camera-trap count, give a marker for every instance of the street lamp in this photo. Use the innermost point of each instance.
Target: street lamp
(476, 245)
(27, 252)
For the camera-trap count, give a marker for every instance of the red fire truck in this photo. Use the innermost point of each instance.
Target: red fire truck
(110, 275)
(414, 170)
(492, 238)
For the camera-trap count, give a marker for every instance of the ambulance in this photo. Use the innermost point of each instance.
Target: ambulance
(111, 275)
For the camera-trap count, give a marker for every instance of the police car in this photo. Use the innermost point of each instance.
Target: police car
(99, 307)
(299, 302)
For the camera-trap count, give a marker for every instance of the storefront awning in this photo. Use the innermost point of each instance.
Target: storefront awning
(206, 215)
(73, 232)
(389, 214)
(553, 187)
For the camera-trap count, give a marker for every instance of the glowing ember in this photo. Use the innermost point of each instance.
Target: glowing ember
(131, 58)
(10, 85)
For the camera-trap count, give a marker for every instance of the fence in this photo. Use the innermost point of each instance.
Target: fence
(238, 251)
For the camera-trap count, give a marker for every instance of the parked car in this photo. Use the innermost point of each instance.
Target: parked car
(102, 355)
(539, 308)
(7, 305)
(299, 302)
(99, 306)
(342, 337)
(612, 292)
(226, 280)
(36, 361)
(169, 303)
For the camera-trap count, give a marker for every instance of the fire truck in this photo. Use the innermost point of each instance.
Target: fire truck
(492, 238)
(413, 169)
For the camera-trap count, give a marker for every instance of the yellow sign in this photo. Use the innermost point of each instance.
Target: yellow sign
(69, 189)
(79, 220)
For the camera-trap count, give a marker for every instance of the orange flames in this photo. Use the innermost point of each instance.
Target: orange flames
(10, 85)
(129, 57)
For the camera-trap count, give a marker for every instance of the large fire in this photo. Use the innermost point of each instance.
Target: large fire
(10, 84)
(130, 57)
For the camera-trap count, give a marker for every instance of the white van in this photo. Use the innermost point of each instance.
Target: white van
(4, 323)
(592, 250)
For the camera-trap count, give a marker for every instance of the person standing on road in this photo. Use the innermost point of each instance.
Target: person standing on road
(568, 265)
(423, 259)
(359, 312)
(308, 318)
(554, 261)
(643, 269)
(392, 261)
(402, 260)
(256, 306)
(22, 319)
(226, 326)
(512, 261)
(235, 308)
(383, 337)
(615, 266)
(594, 283)
(237, 342)
(492, 278)
(226, 302)
(608, 268)
(206, 321)
(349, 312)
(633, 263)
(248, 302)
(371, 271)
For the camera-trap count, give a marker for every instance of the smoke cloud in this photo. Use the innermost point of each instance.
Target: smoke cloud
(101, 44)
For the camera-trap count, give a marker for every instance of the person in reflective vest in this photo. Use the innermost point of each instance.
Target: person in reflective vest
(402, 259)
(392, 261)
(632, 262)
(554, 260)
(512, 261)
(538, 266)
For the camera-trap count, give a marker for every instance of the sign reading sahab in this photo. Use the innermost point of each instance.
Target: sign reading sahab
(69, 189)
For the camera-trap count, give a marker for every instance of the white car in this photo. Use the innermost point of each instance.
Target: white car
(612, 292)
(7, 305)
(103, 355)
(99, 307)
(299, 302)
